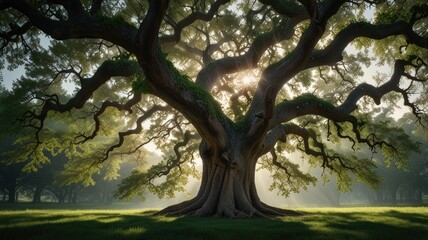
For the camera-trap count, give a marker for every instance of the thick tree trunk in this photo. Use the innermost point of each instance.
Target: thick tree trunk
(227, 189)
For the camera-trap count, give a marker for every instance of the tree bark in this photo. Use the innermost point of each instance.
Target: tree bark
(227, 187)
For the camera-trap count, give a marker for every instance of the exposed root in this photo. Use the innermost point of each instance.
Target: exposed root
(226, 192)
(196, 207)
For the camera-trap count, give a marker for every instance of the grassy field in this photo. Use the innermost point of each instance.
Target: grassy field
(317, 223)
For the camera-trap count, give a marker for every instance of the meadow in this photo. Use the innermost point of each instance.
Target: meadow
(317, 223)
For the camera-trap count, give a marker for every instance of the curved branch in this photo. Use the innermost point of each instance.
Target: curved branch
(277, 74)
(209, 75)
(107, 70)
(138, 181)
(78, 25)
(136, 130)
(121, 107)
(376, 93)
(12, 35)
(289, 8)
(166, 82)
(309, 135)
(333, 52)
(73, 7)
(148, 31)
(95, 6)
(193, 17)
(309, 104)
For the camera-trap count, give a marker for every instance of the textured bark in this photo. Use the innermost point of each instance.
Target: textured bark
(228, 187)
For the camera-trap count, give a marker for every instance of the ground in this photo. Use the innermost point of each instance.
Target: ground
(317, 223)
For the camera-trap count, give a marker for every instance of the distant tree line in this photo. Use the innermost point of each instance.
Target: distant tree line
(46, 185)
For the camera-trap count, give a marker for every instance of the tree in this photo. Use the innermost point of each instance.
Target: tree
(11, 176)
(236, 82)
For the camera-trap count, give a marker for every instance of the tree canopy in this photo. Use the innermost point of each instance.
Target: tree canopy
(221, 86)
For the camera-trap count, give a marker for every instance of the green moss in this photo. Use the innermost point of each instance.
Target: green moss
(113, 21)
(200, 94)
(141, 85)
(241, 123)
(305, 99)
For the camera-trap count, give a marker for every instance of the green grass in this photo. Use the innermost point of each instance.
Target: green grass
(317, 223)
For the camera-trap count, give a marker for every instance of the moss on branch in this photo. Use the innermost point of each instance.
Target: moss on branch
(113, 21)
(305, 99)
(200, 95)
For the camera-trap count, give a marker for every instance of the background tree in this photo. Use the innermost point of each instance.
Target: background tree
(237, 83)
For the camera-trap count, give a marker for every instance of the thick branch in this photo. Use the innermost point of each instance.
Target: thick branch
(309, 104)
(95, 6)
(209, 75)
(165, 81)
(333, 52)
(289, 8)
(73, 7)
(277, 74)
(78, 25)
(376, 93)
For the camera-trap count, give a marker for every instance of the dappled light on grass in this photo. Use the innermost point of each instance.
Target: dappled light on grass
(132, 231)
(369, 223)
(316, 223)
(164, 219)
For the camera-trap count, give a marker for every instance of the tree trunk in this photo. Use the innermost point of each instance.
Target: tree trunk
(227, 189)
(37, 197)
(393, 195)
(11, 188)
(12, 195)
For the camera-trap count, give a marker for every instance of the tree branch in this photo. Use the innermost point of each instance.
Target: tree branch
(288, 8)
(106, 104)
(107, 70)
(78, 25)
(187, 21)
(210, 74)
(333, 52)
(136, 130)
(276, 75)
(14, 33)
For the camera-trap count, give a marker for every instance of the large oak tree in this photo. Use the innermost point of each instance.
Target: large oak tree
(236, 85)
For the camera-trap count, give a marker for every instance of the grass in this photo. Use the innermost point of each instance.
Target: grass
(318, 223)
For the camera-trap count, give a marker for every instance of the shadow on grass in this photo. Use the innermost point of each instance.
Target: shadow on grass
(372, 225)
(107, 225)
(131, 226)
